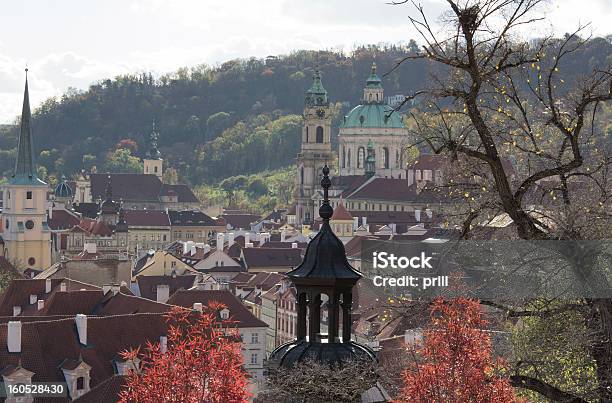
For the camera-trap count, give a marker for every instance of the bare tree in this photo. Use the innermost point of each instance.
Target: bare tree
(492, 98)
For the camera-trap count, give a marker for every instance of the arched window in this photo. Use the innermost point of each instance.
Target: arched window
(302, 175)
(319, 134)
(343, 157)
(307, 134)
(397, 159)
(348, 159)
(385, 158)
(360, 157)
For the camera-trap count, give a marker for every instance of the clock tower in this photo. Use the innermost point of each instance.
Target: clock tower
(315, 152)
(26, 235)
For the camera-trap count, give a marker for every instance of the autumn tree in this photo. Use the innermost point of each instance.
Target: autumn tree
(454, 364)
(492, 98)
(201, 362)
(127, 144)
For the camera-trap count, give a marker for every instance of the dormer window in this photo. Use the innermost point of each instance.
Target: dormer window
(225, 313)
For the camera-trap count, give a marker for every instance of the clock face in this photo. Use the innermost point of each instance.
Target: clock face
(320, 113)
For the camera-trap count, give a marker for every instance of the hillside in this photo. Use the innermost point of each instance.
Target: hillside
(241, 117)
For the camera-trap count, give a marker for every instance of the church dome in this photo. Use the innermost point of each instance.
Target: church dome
(62, 189)
(373, 115)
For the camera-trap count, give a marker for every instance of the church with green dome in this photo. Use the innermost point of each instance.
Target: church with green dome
(373, 123)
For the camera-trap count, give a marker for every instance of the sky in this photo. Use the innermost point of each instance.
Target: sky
(72, 43)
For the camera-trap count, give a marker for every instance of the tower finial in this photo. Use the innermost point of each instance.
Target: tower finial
(373, 67)
(326, 210)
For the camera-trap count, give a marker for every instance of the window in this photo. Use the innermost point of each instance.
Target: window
(31, 261)
(360, 157)
(6, 225)
(319, 134)
(173, 264)
(343, 157)
(385, 157)
(164, 238)
(155, 169)
(427, 174)
(307, 134)
(29, 195)
(254, 338)
(254, 358)
(348, 159)
(80, 383)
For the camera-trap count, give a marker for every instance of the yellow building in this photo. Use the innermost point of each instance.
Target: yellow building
(162, 263)
(26, 235)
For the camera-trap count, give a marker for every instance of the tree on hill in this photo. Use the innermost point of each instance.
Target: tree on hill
(201, 362)
(122, 161)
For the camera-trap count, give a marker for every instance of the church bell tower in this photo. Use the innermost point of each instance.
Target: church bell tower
(26, 235)
(315, 151)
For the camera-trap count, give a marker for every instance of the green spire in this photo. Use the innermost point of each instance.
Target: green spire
(316, 94)
(25, 166)
(154, 153)
(373, 81)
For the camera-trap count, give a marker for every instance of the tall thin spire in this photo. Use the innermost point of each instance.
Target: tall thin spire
(25, 167)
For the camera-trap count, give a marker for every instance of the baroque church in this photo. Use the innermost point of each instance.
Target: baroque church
(372, 138)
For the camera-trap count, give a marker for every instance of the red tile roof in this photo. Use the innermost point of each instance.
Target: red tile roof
(341, 213)
(238, 312)
(145, 218)
(271, 257)
(104, 392)
(47, 344)
(392, 189)
(148, 284)
(62, 219)
(240, 220)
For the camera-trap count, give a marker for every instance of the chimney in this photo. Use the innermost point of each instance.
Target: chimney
(106, 288)
(364, 221)
(206, 248)
(294, 245)
(63, 287)
(50, 214)
(16, 310)
(47, 286)
(393, 228)
(41, 304)
(163, 293)
(81, 324)
(185, 248)
(13, 337)
(230, 239)
(417, 215)
(192, 249)
(163, 344)
(283, 235)
(355, 223)
(429, 213)
(33, 299)
(247, 238)
(115, 288)
(248, 245)
(220, 239)
(197, 306)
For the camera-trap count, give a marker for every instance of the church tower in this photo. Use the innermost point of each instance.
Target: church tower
(153, 163)
(315, 150)
(26, 235)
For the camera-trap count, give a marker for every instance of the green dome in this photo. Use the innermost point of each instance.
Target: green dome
(374, 116)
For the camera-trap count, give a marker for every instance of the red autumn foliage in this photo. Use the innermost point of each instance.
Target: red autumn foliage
(202, 362)
(454, 364)
(127, 144)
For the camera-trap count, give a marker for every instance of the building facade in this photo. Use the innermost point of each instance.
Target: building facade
(26, 234)
(315, 151)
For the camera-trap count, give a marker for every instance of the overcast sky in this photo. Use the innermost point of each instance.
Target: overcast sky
(71, 43)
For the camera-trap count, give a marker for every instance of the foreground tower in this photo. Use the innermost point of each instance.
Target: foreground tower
(316, 150)
(324, 271)
(26, 235)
